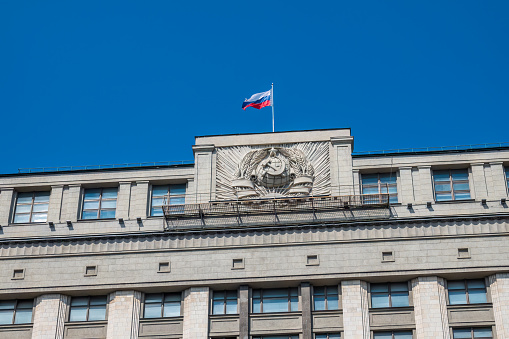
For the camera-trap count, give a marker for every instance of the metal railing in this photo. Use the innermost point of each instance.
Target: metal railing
(94, 167)
(435, 149)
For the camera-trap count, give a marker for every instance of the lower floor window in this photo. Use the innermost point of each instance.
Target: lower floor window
(16, 311)
(278, 337)
(328, 336)
(472, 333)
(393, 335)
(88, 308)
(162, 305)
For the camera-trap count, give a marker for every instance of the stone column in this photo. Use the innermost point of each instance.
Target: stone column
(357, 189)
(430, 307)
(498, 181)
(499, 286)
(479, 182)
(196, 313)
(123, 200)
(49, 316)
(203, 168)
(55, 203)
(341, 166)
(355, 309)
(71, 203)
(139, 200)
(425, 185)
(244, 312)
(6, 204)
(124, 315)
(406, 193)
(307, 318)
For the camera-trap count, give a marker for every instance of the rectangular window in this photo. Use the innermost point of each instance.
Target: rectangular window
(31, 207)
(16, 311)
(463, 292)
(166, 194)
(328, 336)
(472, 333)
(224, 302)
(393, 335)
(381, 183)
(507, 177)
(99, 203)
(88, 308)
(278, 337)
(451, 185)
(325, 298)
(389, 295)
(162, 305)
(275, 300)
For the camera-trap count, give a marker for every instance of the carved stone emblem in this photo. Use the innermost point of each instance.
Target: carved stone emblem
(284, 171)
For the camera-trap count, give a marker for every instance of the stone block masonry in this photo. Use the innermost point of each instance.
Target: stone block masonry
(49, 316)
(124, 315)
(196, 310)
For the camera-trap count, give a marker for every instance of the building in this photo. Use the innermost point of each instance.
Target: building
(273, 235)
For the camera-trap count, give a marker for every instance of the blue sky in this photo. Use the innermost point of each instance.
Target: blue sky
(101, 82)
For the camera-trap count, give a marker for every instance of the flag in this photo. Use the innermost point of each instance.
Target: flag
(258, 100)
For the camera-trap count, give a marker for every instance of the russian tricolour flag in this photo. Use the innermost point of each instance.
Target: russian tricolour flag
(258, 100)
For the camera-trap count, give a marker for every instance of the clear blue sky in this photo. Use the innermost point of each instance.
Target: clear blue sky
(100, 82)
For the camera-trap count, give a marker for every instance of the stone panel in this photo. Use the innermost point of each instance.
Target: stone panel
(224, 325)
(161, 328)
(327, 321)
(430, 305)
(124, 315)
(470, 315)
(196, 313)
(275, 323)
(49, 316)
(16, 332)
(355, 309)
(391, 319)
(85, 330)
(499, 286)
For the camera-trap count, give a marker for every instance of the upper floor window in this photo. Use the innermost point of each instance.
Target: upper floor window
(160, 195)
(389, 295)
(16, 311)
(472, 333)
(393, 335)
(162, 305)
(381, 183)
(328, 336)
(224, 302)
(325, 298)
(467, 292)
(451, 185)
(31, 207)
(88, 308)
(275, 300)
(99, 203)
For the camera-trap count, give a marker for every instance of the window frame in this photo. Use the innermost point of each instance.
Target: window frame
(326, 296)
(327, 334)
(284, 336)
(393, 332)
(100, 200)
(32, 204)
(472, 331)
(166, 198)
(379, 184)
(89, 297)
(389, 293)
(451, 182)
(224, 301)
(289, 300)
(465, 283)
(164, 294)
(15, 311)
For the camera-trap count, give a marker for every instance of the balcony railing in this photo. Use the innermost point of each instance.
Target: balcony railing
(280, 211)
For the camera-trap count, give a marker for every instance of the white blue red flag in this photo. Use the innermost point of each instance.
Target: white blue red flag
(258, 100)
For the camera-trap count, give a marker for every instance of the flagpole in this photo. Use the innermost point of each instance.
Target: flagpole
(272, 104)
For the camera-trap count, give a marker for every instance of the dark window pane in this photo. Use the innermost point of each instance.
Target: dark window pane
(332, 302)
(172, 309)
(25, 198)
(462, 333)
(79, 301)
(379, 288)
(153, 297)
(41, 197)
(231, 306)
(98, 300)
(110, 193)
(457, 297)
(444, 197)
(178, 189)
(152, 311)
(6, 316)
(482, 333)
(459, 175)
(78, 313)
(399, 299)
(382, 335)
(218, 307)
(97, 313)
(399, 287)
(369, 179)
(105, 214)
(275, 305)
(319, 303)
(462, 196)
(19, 218)
(477, 296)
(160, 190)
(23, 316)
(89, 215)
(379, 300)
(91, 194)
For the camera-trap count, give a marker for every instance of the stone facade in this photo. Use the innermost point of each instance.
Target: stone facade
(430, 308)
(196, 310)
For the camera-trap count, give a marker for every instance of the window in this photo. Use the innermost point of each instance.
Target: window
(380, 183)
(471, 333)
(160, 195)
(224, 302)
(275, 300)
(466, 292)
(325, 298)
(328, 336)
(389, 295)
(278, 337)
(393, 335)
(507, 177)
(451, 185)
(99, 203)
(88, 308)
(16, 311)
(162, 305)
(31, 207)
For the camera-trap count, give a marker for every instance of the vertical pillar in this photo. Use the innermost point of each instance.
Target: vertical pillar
(355, 309)
(55, 203)
(425, 185)
(479, 182)
(356, 182)
(406, 193)
(124, 315)
(499, 287)
(203, 169)
(6, 205)
(139, 200)
(49, 316)
(499, 180)
(430, 306)
(244, 312)
(341, 166)
(71, 203)
(123, 200)
(196, 313)
(307, 318)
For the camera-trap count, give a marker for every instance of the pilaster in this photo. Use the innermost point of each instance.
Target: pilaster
(203, 172)
(479, 181)
(196, 313)
(357, 189)
(355, 309)
(6, 204)
(49, 316)
(307, 318)
(425, 185)
(406, 192)
(499, 181)
(124, 315)
(341, 165)
(71, 203)
(123, 200)
(244, 312)
(55, 203)
(139, 200)
(499, 287)
(430, 306)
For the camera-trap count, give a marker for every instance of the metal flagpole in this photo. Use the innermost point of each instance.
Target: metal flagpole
(272, 104)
